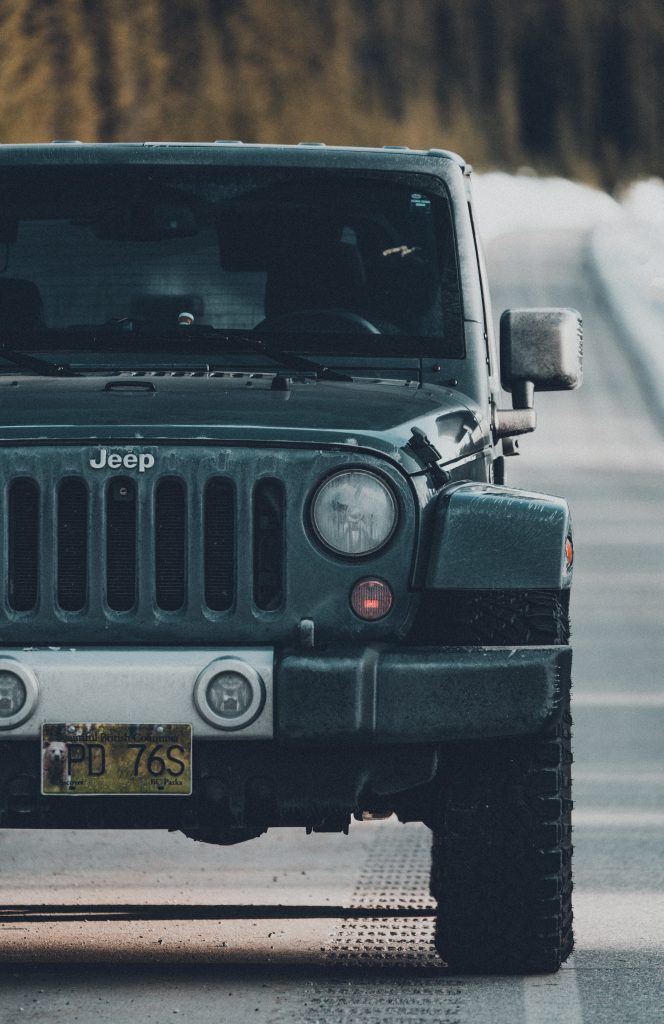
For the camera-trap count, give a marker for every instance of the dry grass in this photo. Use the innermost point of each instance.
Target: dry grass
(572, 85)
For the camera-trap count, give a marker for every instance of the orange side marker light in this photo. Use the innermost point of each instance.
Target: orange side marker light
(569, 552)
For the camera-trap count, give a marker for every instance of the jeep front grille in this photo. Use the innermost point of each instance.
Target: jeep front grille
(154, 560)
(173, 506)
(207, 545)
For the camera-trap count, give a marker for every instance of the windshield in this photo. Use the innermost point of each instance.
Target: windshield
(122, 258)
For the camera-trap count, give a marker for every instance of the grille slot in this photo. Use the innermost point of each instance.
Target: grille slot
(72, 544)
(23, 530)
(269, 537)
(219, 544)
(121, 544)
(170, 538)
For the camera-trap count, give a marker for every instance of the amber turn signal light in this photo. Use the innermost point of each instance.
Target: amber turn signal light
(569, 552)
(371, 599)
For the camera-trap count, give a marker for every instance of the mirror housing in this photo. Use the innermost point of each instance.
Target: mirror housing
(540, 348)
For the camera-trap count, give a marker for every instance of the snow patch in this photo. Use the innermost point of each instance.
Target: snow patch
(625, 247)
(506, 202)
(644, 201)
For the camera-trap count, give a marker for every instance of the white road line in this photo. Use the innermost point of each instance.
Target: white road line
(553, 999)
(640, 778)
(600, 818)
(619, 700)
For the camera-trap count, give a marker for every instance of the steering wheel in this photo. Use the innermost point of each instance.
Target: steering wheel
(325, 321)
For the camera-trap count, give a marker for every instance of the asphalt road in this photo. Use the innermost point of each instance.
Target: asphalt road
(143, 926)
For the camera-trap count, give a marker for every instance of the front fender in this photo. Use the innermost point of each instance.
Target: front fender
(489, 537)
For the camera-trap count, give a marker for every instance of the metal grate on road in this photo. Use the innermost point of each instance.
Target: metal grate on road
(383, 969)
(395, 876)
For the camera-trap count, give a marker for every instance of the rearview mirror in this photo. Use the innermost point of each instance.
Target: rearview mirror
(540, 348)
(148, 222)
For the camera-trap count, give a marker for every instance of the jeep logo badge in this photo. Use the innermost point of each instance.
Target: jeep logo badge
(130, 460)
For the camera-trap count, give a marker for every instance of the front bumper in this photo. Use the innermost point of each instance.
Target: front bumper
(340, 732)
(427, 695)
(365, 696)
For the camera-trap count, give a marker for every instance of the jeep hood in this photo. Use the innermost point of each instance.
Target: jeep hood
(236, 408)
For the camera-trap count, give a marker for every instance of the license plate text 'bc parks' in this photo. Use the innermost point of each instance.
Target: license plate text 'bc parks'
(102, 759)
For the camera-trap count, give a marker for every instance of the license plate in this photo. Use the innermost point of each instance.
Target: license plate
(102, 759)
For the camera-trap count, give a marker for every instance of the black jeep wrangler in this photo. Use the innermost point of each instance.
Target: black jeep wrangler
(259, 563)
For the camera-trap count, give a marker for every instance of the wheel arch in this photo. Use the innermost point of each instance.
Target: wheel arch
(490, 537)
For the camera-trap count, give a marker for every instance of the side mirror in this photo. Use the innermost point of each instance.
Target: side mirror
(539, 348)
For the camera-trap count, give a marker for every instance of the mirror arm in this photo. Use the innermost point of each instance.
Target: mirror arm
(509, 422)
(522, 418)
(523, 394)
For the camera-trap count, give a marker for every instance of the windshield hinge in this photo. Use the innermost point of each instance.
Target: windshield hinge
(428, 455)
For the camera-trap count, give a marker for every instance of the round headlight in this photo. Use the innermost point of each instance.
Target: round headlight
(354, 513)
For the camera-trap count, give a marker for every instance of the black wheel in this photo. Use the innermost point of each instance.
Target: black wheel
(502, 854)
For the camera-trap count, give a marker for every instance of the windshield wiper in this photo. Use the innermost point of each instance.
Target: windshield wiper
(43, 367)
(159, 337)
(289, 360)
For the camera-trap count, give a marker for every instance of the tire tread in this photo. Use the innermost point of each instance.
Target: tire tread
(502, 849)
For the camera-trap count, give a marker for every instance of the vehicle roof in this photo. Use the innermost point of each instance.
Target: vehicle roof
(304, 154)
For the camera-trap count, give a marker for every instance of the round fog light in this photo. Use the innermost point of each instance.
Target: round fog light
(371, 599)
(229, 693)
(19, 693)
(13, 694)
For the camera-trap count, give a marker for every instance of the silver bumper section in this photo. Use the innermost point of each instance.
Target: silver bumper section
(135, 685)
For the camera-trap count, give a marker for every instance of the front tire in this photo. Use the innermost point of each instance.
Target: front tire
(502, 852)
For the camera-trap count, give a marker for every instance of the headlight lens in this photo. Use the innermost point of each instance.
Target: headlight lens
(354, 513)
(229, 694)
(371, 599)
(13, 694)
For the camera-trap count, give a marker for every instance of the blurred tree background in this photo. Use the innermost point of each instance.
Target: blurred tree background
(571, 86)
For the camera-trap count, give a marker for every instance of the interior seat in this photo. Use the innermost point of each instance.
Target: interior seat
(315, 273)
(21, 305)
